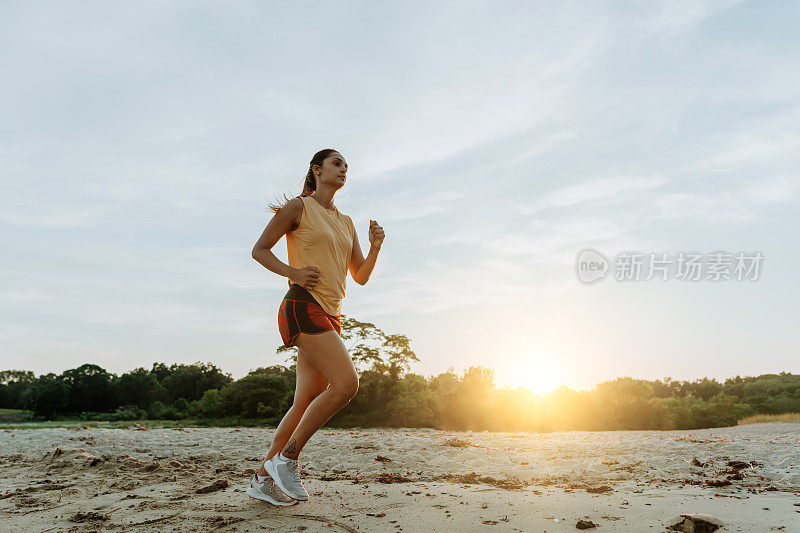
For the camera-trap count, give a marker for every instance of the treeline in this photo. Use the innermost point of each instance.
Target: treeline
(389, 395)
(173, 393)
(468, 401)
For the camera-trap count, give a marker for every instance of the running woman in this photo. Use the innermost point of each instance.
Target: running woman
(322, 245)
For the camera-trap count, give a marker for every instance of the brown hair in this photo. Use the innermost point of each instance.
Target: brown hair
(309, 183)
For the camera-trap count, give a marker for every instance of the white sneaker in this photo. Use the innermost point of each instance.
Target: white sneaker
(286, 474)
(268, 491)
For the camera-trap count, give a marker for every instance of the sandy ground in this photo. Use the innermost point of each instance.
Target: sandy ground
(402, 480)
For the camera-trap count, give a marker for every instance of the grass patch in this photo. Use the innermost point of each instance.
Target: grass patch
(15, 415)
(759, 419)
(149, 424)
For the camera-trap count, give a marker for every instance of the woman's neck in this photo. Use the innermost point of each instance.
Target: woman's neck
(325, 198)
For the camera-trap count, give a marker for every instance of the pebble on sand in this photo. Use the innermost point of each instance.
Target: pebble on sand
(695, 523)
(217, 485)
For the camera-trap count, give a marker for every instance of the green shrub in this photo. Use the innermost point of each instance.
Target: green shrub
(155, 411)
(211, 404)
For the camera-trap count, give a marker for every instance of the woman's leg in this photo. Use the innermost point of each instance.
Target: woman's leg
(328, 354)
(310, 383)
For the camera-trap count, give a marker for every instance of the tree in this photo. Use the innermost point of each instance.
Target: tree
(160, 371)
(413, 403)
(20, 376)
(91, 389)
(211, 404)
(704, 388)
(191, 381)
(12, 385)
(155, 411)
(277, 370)
(255, 395)
(662, 389)
(370, 347)
(47, 396)
(369, 406)
(624, 403)
(181, 405)
(139, 387)
(399, 354)
(464, 403)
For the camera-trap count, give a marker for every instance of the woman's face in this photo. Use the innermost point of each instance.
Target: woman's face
(333, 171)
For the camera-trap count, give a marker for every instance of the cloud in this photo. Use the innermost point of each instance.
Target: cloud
(11, 331)
(771, 192)
(43, 356)
(436, 288)
(744, 150)
(45, 214)
(694, 207)
(174, 268)
(26, 295)
(596, 189)
(412, 201)
(669, 20)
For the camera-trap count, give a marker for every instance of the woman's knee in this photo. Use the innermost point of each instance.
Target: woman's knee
(346, 388)
(327, 352)
(302, 402)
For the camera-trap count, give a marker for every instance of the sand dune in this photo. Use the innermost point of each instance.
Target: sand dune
(403, 480)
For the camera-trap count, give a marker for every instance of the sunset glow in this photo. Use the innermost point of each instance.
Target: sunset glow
(537, 371)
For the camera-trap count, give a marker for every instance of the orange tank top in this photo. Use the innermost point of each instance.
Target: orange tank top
(323, 239)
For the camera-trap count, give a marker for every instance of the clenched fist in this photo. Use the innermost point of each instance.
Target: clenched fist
(306, 277)
(376, 235)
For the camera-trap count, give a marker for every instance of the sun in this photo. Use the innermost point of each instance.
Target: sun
(536, 371)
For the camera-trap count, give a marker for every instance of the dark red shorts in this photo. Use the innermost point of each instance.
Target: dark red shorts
(300, 313)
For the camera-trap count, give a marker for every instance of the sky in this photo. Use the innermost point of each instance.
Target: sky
(140, 144)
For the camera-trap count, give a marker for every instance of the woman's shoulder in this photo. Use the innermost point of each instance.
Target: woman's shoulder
(295, 205)
(293, 209)
(347, 219)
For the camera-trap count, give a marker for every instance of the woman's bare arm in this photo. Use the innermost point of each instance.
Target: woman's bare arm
(284, 221)
(361, 267)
